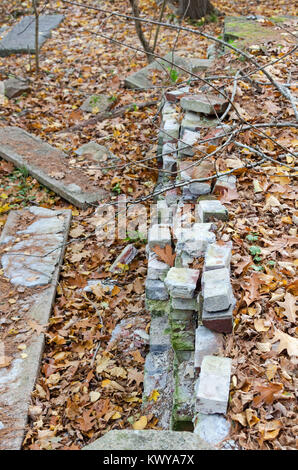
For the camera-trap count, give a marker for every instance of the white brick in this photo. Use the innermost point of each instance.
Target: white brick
(207, 343)
(211, 209)
(217, 290)
(159, 235)
(218, 255)
(156, 269)
(212, 393)
(187, 140)
(182, 282)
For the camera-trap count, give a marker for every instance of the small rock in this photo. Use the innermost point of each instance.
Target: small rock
(14, 87)
(204, 103)
(126, 256)
(182, 282)
(97, 104)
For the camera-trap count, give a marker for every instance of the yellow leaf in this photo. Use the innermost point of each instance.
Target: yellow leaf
(271, 371)
(116, 415)
(285, 342)
(105, 383)
(260, 324)
(287, 220)
(3, 196)
(154, 395)
(94, 396)
(140, 424)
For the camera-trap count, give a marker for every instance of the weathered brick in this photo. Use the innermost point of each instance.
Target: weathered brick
(182, 315)
(190, 172)
(218, 255)
(187, 143)
(160, 338)
(223, 183)
(159, 235)
(208, 210)
(184, 399)
(221, 321)
(184, 304)
(217, 290)
(175, 95)
(212, 392)
(183, 335)
(194, 242)
(156, 290)
(207, 343)
(125, 257)
(170, 130)
(182, 282)
(156, 269)
(157, 307)
(204, 103)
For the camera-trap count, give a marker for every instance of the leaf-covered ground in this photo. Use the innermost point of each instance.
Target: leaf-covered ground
(91, 380)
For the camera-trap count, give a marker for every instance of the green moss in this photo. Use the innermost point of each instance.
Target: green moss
(158, 308)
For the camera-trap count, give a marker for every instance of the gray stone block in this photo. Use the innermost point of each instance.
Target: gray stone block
(156, 269)
(217, 290)
(220, 321)
(14, 87)
(21, 38)
(212, 209)
(97, 104)
(204, 103)
(159, 235)
(187, 143)
(160, 338)
(212, 428)
(156, 290)
(184, 396)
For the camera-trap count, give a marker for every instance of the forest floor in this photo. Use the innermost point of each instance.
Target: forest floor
(79, 397)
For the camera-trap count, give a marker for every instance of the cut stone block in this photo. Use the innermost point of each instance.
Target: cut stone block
(175, 95)
(194, 122)
(148, 440)
(168, 108)
(187, 196)
(156, 269)
(156, 290)
(204, 103)
(126, 256)
(158, 375)
(30, 273)
(224, 182)
(169, 164)
(21, 38)
(212, 428)
(184, 399)
(181, 315)
(217, 290)
(182, 282)
(161, 213)
(170, 129)
(220, 321)
(187, 143)
(14, 87)
(159, 235)
(208, 210)
(172, 196)
(207, 343)
(218, 255)
(194, 242)
(169, 149)
(183, 334)
(97, 104)
(49, 166)
(160, 338)
(213, 386)
(184, 304)
(157, 307)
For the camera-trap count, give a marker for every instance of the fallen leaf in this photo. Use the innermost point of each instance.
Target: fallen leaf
(289, 306)
(285, 342)
(165, 254)
(267, 393)
(140, 424)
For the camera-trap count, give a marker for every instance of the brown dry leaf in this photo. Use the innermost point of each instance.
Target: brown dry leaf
(77, 232)
(267, 393)
(118, 372)
(102, 363)
(270, 430)
(285, 342)
(140, 424)
(165, 254)
(135, 376)
(252, 288)
(261, 325)
(240, 417)
(246, 261)
(251, 417)
(37, 327)
(137, 356)
(138, 286)
(86, 421)
(290, 307)
(271, 370)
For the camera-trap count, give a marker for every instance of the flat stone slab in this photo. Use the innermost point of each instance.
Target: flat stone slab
(31, 274)
(97, 104)
(148, 440)
(49, 166)
(142, 80)
(205, 103)
(21, 38)
(14, 87)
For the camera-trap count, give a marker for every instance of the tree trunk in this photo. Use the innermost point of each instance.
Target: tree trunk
(195, 9)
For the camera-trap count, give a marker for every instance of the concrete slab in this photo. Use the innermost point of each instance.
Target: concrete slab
(18, 379)
(148, 440)
(21, 38)
(39, 158)
(141, 79)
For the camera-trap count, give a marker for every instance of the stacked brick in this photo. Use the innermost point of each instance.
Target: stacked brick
(190, 308)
